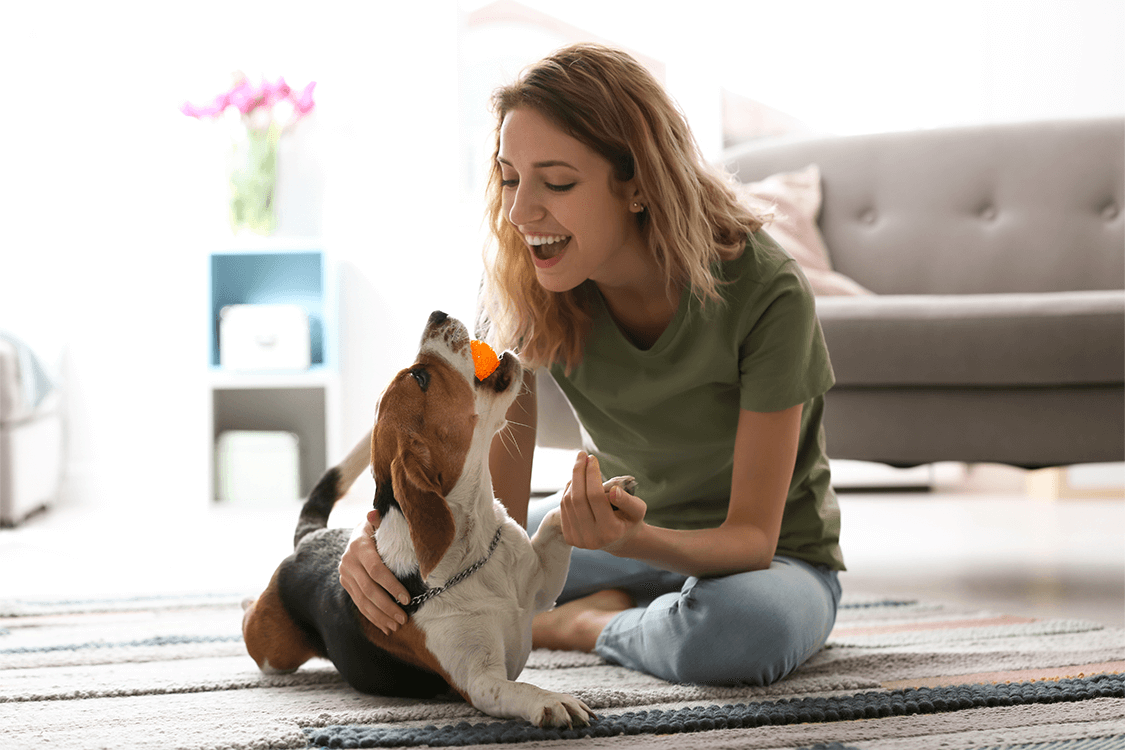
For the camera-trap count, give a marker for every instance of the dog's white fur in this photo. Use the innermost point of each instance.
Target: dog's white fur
(480, 630)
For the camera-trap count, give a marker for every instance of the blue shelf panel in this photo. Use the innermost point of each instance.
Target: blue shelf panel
(249, 278)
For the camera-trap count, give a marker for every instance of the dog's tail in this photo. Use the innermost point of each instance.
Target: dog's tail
(332, 486)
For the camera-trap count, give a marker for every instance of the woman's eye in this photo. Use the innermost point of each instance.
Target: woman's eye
(560, 188)
(509, 183)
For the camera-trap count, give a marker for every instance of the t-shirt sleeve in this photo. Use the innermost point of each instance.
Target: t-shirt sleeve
(783, 360)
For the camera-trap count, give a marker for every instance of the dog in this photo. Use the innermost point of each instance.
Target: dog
(476, 578)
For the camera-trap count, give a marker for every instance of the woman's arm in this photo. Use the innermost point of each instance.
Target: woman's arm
(513, 449)
(765, 451)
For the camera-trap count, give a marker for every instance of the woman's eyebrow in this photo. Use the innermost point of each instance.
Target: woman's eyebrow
(540, 164)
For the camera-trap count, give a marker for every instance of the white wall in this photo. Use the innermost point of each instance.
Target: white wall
(112, 199)
(871, 65)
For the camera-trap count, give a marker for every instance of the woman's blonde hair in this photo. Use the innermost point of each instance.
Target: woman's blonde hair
(608, 101)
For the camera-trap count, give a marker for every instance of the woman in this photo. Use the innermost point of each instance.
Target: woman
(687, 342)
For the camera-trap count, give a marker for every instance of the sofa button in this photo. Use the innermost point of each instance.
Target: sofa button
(988, 213)
(869, 216)
(1109, 213)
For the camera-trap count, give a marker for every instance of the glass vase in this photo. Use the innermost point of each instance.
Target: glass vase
(253, 181)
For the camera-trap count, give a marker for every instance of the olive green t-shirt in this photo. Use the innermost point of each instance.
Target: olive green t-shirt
(668, 415)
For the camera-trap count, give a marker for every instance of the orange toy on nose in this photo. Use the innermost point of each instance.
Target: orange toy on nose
(484, 359)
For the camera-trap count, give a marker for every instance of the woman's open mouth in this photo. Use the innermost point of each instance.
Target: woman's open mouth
(547, 249)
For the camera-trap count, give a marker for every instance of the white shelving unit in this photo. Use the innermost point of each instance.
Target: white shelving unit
(304, 402)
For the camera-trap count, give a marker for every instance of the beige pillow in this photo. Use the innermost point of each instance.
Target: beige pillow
(791, 200)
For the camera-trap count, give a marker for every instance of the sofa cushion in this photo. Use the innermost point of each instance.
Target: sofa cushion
(1046, 339)
(791, 203)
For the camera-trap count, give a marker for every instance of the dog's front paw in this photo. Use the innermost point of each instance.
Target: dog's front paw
(559, 710)
(626, 483)
(552, 521)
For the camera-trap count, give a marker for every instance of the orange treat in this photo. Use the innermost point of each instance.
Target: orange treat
(484, 359)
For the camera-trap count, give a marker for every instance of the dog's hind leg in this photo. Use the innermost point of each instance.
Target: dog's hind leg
(273, 640)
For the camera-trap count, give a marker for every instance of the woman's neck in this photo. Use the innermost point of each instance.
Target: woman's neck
(642, 311)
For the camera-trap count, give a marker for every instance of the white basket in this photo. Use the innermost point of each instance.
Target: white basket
(257, 466)
(264, 337)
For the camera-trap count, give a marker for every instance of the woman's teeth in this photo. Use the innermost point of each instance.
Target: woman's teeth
(547, 246)
(544, 239)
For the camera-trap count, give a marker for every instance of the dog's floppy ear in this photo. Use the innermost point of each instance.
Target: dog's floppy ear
(422, 503)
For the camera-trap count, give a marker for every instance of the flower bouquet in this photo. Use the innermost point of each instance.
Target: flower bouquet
(266, 111)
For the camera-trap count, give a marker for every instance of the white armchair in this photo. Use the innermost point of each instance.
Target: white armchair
(31, 433)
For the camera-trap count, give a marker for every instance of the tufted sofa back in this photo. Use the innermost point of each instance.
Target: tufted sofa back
(1031, 207)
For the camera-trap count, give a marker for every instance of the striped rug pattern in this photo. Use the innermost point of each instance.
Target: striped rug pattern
(171, 672)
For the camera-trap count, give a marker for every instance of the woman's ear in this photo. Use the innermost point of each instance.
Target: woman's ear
(636, 200)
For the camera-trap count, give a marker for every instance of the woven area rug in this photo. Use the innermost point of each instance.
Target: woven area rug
(172, 673)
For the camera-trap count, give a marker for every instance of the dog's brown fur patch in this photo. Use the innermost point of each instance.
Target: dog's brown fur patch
(272, 638)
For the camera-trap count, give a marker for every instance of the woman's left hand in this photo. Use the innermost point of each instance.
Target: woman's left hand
(590, 519)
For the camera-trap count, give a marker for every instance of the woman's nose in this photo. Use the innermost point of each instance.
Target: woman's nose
(523, 208)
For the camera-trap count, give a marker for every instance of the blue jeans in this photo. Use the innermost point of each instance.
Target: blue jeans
(744, 629)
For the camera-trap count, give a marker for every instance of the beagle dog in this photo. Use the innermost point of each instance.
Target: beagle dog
(476, 578)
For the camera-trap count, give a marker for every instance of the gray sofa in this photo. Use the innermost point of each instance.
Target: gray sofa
(997, 329)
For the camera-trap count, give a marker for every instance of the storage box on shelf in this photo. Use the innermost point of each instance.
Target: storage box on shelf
(273, 362)
(257, 466)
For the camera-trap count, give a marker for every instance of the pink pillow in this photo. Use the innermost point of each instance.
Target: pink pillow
(793, 199)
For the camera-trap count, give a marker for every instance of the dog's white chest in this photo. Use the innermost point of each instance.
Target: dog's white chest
(392, 539)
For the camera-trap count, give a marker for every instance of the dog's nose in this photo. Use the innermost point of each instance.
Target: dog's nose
(437, 317)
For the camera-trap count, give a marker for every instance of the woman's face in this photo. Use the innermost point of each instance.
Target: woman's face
(577, 221)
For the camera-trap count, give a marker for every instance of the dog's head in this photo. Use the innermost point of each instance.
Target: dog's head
(434, 428)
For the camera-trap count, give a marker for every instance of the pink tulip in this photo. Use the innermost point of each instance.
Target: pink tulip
(279, 91)
(304, 102)
(246, 97)
(190, 110)
(213, 109)
(259, 99)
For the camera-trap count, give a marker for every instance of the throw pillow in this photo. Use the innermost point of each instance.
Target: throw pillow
(791, 202)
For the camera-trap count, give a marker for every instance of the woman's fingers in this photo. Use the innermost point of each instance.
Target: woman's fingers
(373, 602)
(378, 572)
(630, 507)
(370, 583)
(596, 496)
(591, 519)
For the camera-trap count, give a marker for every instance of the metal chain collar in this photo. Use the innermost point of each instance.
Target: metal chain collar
(428, 594)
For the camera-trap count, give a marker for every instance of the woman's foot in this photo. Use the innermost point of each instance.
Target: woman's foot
(576, 625)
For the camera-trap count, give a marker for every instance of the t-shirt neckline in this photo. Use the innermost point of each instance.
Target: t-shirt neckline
(666, 337)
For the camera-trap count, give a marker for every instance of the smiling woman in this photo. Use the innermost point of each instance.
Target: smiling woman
(688, 345)
(570, 209)
(621, 171)
(546, 248)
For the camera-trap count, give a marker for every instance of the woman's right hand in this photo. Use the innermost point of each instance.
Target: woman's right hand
(369, 582)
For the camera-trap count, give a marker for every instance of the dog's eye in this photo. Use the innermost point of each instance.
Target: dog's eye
(422, 376)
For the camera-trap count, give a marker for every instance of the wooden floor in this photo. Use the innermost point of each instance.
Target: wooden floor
(984, 542)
